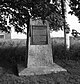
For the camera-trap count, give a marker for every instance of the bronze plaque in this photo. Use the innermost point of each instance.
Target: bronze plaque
(39, 35)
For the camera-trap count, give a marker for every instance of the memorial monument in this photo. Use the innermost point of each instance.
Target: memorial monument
(40, 52)
(40, 59)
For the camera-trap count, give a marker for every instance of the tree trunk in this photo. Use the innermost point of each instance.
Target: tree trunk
(63, 14)
(27, 42)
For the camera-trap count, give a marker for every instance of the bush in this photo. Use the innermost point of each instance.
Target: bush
(71, 54)
(75, 52)
(11, 53)
(12, 49)
(58, 51)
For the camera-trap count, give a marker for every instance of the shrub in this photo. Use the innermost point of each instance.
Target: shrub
(71, 54)
(75, 52)
(12, 48)
(11, 53)
(58, 51)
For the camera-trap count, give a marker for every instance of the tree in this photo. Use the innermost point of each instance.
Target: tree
(63, 13)
(19, 13)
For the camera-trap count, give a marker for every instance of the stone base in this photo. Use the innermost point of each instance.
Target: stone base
(41, 70)
(40, 55)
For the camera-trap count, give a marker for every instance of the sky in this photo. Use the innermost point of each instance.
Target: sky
(15, 35)
(71, 20)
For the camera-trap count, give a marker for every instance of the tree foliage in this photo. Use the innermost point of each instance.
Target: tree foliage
(75, 8)
(16, 13)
